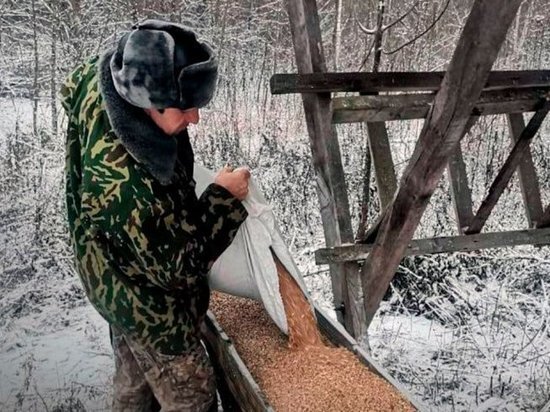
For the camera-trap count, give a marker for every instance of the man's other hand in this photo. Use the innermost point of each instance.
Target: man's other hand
(235, 181)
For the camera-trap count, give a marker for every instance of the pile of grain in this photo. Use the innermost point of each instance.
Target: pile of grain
(318, 378)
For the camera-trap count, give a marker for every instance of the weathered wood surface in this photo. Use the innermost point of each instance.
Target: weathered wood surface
(468, 72)
(460, 190)
(458, 179)
(395, 81)
(448, 244)
(506, 172)
(381, 158)
(240, 382)
(327, 161)
(545, 219)
(527, 174)
(417, 106)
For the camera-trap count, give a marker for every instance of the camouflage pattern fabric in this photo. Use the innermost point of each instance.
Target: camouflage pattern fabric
(143, 249)
(182, 383)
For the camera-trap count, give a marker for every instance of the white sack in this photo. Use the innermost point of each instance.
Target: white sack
(247, 268)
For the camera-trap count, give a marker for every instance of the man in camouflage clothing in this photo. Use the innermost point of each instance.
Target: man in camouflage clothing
(144, 242)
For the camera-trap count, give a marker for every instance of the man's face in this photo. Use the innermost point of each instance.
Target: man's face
(172, 121)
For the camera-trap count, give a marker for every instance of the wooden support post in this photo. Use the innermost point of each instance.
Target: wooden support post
(396, 81)
(351, 253)
(545, 219)
(477, 48)
(460, 190)
(384, 169)
(527, 174)
(461, 193)
(327, 161)
(505, 174)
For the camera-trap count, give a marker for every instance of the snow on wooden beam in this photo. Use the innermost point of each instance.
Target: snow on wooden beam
(506, 172)
(395, 81)
(461, 87)
(417, 106)
(449, 244)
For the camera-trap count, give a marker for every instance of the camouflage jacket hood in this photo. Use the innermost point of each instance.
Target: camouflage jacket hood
(143, 241)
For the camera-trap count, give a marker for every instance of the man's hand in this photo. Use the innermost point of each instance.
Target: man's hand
(235, 181)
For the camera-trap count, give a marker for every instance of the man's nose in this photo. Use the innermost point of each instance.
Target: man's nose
(192, 115)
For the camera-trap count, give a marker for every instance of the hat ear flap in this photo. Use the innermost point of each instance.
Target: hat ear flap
(197, 84)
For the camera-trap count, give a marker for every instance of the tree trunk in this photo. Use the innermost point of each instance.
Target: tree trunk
(53, 83)
(35, 87)
(337, 38)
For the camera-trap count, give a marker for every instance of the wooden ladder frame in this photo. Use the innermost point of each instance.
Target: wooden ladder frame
(450, 109)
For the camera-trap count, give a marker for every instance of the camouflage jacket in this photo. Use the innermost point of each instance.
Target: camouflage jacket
(143, 244)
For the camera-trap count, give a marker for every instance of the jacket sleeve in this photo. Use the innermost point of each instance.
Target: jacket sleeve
(172, 249)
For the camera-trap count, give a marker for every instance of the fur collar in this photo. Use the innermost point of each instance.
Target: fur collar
(140, 136)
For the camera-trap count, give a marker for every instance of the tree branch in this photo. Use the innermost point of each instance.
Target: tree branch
(423, 32)
(400, 19)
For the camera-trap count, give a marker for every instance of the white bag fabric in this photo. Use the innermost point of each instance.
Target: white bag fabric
(247, 268)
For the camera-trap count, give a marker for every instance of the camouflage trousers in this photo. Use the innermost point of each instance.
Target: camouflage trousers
(183, 383)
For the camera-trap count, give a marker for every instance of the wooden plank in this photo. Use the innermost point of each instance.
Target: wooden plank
(527, 174)
(545, 219)
(460, 191)
(417, 106)
(239, 380)
(350, 253)
(340, 337)
(510, 165)
(395, 81)
(384, 169)
(479, 43)
(327, 162)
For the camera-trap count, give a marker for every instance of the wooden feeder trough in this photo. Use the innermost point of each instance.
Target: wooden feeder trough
(240, 391)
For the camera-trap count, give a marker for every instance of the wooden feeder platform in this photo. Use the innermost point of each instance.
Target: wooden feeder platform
(236, 385)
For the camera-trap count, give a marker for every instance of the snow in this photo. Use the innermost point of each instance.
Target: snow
(41, 363)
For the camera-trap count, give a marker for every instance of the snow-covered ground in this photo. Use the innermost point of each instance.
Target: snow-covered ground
(490, 354)
(56, 357)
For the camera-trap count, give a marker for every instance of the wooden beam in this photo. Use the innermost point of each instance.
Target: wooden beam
(458, 180)
(384, 170)
(351, 253)
(460, 185)
(460, 190)
(468, 72)
(506, 172)
(395, 81)
(545, 219)
(327, 162)
(527, 174)
(417, 106)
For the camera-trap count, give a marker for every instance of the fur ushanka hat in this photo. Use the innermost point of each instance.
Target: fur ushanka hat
(161, 64)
